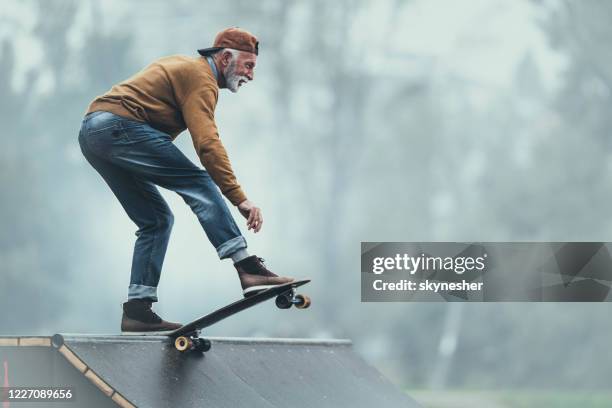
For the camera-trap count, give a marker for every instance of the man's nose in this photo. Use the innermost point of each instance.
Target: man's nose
(250, 75)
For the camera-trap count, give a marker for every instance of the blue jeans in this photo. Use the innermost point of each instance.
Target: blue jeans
(133, 158)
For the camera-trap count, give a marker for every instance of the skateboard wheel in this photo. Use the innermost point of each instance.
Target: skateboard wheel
(283, 302)
(201, 345)
(183, 343)
(302, 301)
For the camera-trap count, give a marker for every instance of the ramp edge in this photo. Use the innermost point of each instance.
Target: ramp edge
(91, 375)
(26, 341)
(57, 341)
(119, 338)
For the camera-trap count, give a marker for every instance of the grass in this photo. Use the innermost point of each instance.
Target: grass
(511, 399)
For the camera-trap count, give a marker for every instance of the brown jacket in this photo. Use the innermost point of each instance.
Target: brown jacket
(173, 94)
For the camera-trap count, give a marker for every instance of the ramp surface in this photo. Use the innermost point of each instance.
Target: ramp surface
(146, 371)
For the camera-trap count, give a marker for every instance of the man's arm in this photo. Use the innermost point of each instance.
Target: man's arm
(198, 112)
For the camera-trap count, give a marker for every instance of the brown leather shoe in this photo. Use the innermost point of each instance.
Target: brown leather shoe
(138, 317)
(255, 277)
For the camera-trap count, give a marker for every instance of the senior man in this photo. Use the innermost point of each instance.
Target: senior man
(127, 136)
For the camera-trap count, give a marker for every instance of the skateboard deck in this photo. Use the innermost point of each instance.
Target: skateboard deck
(187, 336)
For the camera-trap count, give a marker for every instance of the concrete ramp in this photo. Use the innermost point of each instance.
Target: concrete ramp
(146, 371)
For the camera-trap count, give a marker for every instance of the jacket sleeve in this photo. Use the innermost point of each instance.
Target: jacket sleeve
(198, 113)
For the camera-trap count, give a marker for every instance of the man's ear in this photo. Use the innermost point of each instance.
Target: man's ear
(226, 57)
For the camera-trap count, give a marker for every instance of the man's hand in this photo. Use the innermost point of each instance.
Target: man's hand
(252, 214)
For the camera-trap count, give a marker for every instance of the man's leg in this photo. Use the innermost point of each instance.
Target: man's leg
(152, 156)
(149, 211)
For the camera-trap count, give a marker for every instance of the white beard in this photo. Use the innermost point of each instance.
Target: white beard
(232, 80)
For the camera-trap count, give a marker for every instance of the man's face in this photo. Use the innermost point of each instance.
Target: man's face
(239, 70)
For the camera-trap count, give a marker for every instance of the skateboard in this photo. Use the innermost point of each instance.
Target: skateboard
(188, 337)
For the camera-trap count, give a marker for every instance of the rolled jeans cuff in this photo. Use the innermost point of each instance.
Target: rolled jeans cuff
(226, 249)
(142, 292)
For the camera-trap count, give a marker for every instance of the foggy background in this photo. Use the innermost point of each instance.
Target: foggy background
(480, 120)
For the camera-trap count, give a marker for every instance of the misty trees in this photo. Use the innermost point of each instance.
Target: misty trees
(40, 170)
